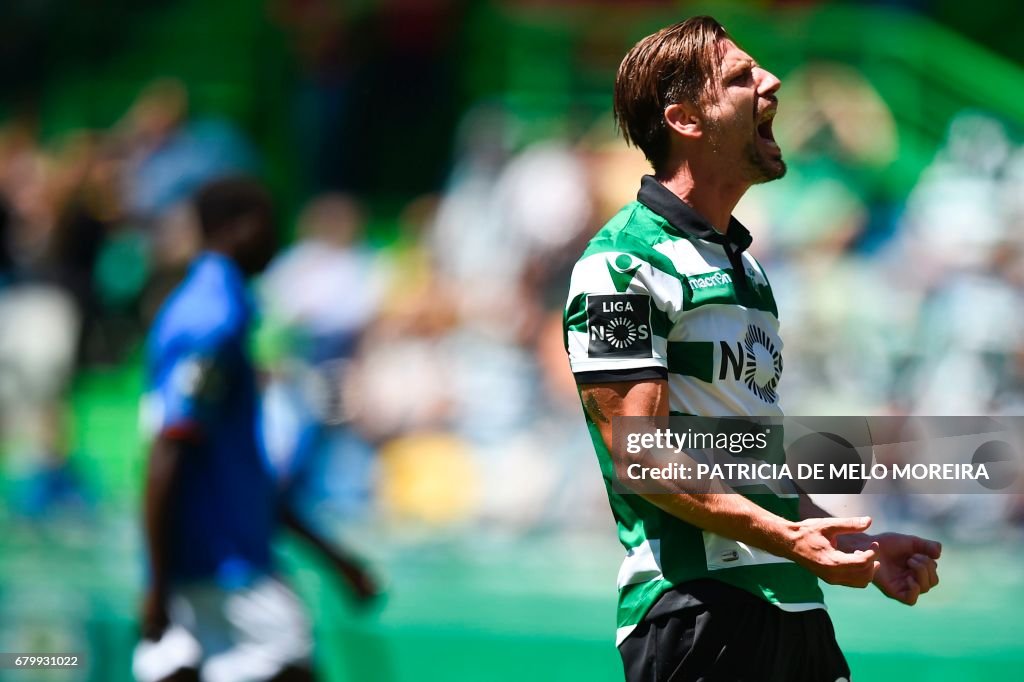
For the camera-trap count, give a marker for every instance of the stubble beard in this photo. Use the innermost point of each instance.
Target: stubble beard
(758, 167)
(763, 168)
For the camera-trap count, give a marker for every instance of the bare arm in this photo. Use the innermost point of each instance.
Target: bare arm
(349, 566)
(161, 476)
(811, 543)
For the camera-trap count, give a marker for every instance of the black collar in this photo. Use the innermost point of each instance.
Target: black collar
(685, 219)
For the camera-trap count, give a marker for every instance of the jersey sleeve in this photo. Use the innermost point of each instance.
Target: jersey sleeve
(617, 318)
(189, 390)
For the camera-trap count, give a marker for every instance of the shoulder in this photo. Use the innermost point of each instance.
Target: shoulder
(634, 242)
(626, 258)
(202, 314)
(634, 229)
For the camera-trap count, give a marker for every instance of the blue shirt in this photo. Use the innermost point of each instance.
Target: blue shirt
(201, 388)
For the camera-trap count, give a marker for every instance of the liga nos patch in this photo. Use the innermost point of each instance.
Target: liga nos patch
(619, 326)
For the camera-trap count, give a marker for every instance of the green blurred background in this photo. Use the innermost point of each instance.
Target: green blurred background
(897, 236)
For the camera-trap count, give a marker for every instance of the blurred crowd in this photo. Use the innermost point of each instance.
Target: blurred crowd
(424, 380)
(93, 233)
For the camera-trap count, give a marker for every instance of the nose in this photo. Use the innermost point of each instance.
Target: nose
(767, 83)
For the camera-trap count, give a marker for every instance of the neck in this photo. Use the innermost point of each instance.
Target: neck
(223, 249)
(219, 244)
(712, 197)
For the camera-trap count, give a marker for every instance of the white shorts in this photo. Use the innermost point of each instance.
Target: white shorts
(242, 635)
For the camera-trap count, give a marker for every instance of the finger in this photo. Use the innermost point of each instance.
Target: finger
(912, 592)
(930, 548)
(932, 568)
(857, 569)
(853, 524)
(860, 557)
(867, 558)
(920, 572)
(866, 574)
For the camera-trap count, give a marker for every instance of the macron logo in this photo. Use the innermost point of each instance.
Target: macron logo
(712, 280)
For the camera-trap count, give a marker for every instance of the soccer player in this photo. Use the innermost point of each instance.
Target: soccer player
(214, 608)
(714, 586)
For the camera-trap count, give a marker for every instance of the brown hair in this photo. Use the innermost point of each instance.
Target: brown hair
(670, 66)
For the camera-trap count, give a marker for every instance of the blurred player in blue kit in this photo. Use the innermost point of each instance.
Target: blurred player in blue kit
(214, 608)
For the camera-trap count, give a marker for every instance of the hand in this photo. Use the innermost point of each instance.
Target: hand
(815, 546)
(154, 615)
(360, 581)
(908, 565)
(364, 587)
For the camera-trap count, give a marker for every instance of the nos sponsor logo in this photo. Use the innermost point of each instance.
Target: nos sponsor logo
(619, 326)
(755, 361)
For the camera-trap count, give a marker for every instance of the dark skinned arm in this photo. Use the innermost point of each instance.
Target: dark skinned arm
(350, 567)
(161, 477)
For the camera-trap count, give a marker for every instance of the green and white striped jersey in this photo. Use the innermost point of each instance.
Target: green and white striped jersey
(659, 294)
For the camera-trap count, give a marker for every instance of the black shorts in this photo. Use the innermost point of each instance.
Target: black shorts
(708, 631)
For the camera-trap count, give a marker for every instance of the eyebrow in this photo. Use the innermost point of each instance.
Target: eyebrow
(739, 67)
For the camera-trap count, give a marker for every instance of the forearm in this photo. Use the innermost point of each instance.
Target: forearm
(161, 474)
(717, 508)
(297, 525)
(332, 551)
(732, 516)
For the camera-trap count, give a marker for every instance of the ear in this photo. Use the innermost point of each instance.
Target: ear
(683, 120)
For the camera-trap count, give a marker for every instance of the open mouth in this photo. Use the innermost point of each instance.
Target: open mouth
(765, 127)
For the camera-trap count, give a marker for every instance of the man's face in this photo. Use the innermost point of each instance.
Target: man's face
(741, 104)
